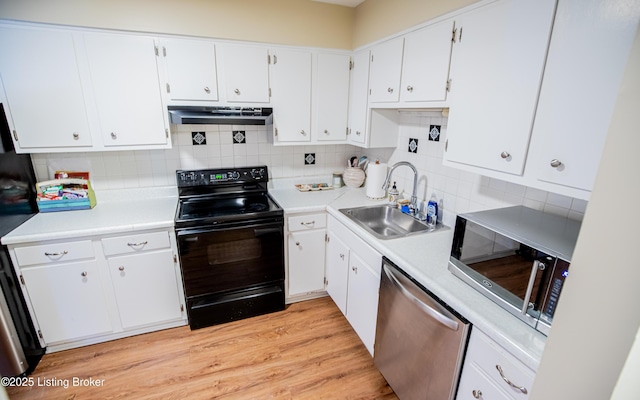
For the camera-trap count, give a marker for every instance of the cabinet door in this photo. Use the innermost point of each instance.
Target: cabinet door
(496, 70)
(362, 299)
(358, 97)
(386, 66)
(306, 261)
(68, 300)
(191, 67)
(290, 73)
(126, 86)
(331, 97)
(246, 72)
(337, 270)
(425, 64)
(146, 288)
(44, 91)
(587, 57)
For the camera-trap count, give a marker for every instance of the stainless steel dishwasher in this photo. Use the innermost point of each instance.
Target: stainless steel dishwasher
(420, 341)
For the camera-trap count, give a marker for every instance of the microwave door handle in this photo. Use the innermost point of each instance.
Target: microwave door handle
(532, 281)
(435, 314)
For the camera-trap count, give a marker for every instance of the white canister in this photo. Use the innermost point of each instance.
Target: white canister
(353, 177)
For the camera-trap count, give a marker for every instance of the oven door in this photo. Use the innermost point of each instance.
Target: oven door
(510, 273)
(223, 259)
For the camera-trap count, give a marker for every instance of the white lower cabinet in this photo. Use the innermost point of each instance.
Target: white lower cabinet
(101, 288)
(68, 300)
(353, 279)
(492, 373)
(305, 255)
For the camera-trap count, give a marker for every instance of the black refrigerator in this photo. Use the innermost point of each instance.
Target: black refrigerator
(20, 350)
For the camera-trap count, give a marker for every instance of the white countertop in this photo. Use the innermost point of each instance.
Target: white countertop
(425, 257)
(116, 211)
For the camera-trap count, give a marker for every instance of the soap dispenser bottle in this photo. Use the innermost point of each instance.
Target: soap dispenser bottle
(432, 211)
(393, 195)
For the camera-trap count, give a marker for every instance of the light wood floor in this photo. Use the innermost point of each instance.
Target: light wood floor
(308, 351)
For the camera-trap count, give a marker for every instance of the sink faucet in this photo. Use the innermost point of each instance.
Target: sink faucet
(414, 198)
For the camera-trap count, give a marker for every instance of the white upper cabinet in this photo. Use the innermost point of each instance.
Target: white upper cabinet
(191, 69)
(290, 73)
(246, 73)
(358, 95)
(496, 71)
(386, 67)
(588, 52)
(45, 101)
(425, 64)
(331, 97)
(125, 83)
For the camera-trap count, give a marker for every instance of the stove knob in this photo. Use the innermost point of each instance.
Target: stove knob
(257, 173)
(234, 175)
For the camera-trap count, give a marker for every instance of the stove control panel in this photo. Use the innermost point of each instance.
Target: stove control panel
(210, 177)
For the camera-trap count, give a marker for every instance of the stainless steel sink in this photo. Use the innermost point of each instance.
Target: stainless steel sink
(385, 222)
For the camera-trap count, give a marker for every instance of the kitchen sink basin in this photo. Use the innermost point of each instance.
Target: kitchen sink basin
(385, 222)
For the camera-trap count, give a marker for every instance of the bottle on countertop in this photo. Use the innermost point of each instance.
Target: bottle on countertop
(393, 195)
(432, 211)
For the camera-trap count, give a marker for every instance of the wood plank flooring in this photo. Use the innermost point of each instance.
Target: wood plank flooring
(308, 351)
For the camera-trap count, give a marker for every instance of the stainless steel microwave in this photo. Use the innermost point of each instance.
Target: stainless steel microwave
(516, 256)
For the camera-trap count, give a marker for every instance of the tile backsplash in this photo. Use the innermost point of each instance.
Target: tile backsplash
(211, 146)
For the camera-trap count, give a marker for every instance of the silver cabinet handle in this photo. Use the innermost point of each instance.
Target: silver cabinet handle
(308, 223)
(83, 273)
(76, 136)
(137, 244)
(477, 394)
(432, 312)
(207, 90)
(555, 163)
(505, 154)
(390, 90)
(504, 378)
(237, 91)
(56, 254)
(121, 268)
(302, 132)
(114, 136)
(409, 88)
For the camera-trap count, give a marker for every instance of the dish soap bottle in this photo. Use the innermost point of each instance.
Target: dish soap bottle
(393, 195)
(432, 211)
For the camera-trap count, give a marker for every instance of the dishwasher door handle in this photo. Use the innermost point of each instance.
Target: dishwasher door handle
(433, 313)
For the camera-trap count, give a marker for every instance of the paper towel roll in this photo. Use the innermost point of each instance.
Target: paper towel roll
(376, 173)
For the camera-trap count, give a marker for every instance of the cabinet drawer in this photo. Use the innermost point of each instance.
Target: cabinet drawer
(54, 252)
(307, 222)
(475, 385)
(136, 243)
(487, 355)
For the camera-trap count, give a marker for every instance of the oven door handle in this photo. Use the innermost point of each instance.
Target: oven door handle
(259, 229)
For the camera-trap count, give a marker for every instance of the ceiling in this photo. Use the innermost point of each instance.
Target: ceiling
(346, 3)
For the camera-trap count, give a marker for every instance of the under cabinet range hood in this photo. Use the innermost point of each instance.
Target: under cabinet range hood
(220, 115)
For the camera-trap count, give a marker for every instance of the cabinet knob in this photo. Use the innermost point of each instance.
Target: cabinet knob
(237, 91)
(390, 90)
(114, 136)
(354, 269)
(297, 243)
(505, 155)
(121, 268)
(409, 88)
(302, 132)
(76, 136)
(342, 256)
(326, 132)
(207, 90)
(358, 133)
(84, 273)
(477, 394)
(555, 163)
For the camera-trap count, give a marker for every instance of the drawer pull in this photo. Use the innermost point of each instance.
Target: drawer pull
(137, 244)
(477, 394)
(83, 273)
(56, 254)
(504, 378)
(308, 223)
(121, 268)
